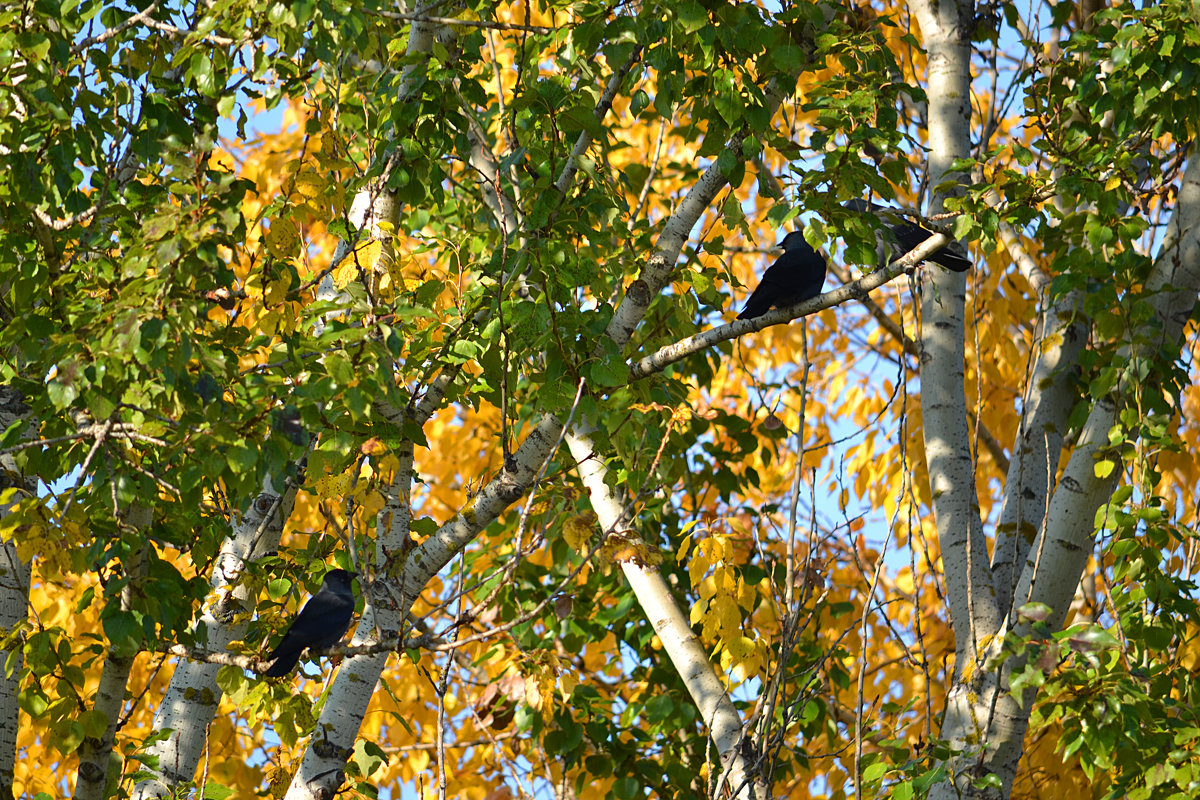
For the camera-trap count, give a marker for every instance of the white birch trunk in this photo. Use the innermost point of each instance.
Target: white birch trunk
(191, 699)
(1049, 396)
(972, 599)
(14, 602)
(976, 616)
(96, 767)
(982, 711)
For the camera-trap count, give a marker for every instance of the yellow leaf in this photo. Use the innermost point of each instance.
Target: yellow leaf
(372, 503)
(309, 185)
(419, 760)
(567, 683)
(578, 531)
(746, 595)
(367, 254)
(388, 466)
(681, 553)
(748, 667)
(269, 322)
(276, 291)
(729, 619)
(373, 447)
(533, 695)
(281, 238)
(740, 647)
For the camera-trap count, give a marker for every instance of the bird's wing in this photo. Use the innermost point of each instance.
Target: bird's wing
(761, 299)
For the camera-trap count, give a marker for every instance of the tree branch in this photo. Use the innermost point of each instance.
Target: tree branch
(467, 23)
(860, 289)
(1065, 541)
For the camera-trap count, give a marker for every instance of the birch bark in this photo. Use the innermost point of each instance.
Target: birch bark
(1046, 530)
(14, 601)
(973, 597)
(192, 697)
(95, 767)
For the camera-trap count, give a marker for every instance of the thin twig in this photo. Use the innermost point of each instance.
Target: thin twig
(87, 462)
(63, 224)
(492, 740)
(469, 23)
(211, 38)
(101, 38)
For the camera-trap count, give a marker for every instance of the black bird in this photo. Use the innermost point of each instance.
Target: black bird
(909, 235)
(322, 622)
(796, 275)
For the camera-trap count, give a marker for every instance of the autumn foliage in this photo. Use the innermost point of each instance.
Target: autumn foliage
(338, 268)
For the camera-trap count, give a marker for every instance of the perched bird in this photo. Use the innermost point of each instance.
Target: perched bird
(796, 275)
(908, 235)
(322, 622)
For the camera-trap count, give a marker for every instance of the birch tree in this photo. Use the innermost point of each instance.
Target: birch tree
(463, 324)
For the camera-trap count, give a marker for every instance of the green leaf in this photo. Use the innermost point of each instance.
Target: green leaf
(1092, 637)
(93, 723)
(340, 368)
(123, 630)
(626, 788)
(607, 374)
(875, 772)
(727, 99)
(1157, 637)
(216, 791)
(67, 737)
(557, 395)
(61, 394)
(33, 702)
(659, 708)
(692, 16)
(728, 162)
(732, 209)
(1030, 677)
(368, 757)
(240, 459)
(639, 102)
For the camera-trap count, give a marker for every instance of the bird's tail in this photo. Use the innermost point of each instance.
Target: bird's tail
(756, 306)
(285, 661)
(952, 258)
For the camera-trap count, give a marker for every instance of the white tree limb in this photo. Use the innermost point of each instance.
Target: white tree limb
(671, 624)
(192, 697)
(1066, 541)
(14, 596)
(974, 612)
(94, 753)
(1046, 406)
